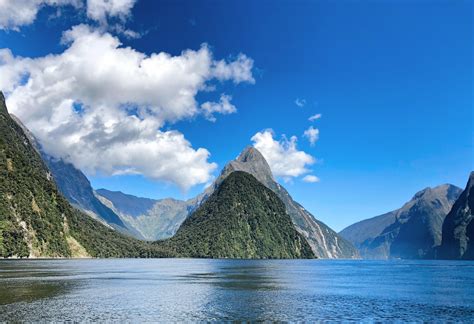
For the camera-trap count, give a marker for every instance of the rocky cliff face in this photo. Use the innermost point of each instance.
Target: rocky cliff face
(241, 219)
(458, 227)
(410, 232)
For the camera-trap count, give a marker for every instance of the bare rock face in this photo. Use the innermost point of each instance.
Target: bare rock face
(458, 227)
(411, 232)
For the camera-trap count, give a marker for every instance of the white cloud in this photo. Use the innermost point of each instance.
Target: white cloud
(239, 70)
(300, 102)
(315, 117)
(312, 134)
(101, 106)
(17, 13)
(311, 178)
(222, 107)
(100, 10)
(283, 156)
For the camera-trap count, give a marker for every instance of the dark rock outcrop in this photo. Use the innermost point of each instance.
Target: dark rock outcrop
(458, 227)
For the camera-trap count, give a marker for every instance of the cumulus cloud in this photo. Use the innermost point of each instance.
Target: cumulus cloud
(300, 102)
(283, 156)
(311, 178)
(312, 134)
(17, 13)
(224, 107)
(315, 117)
(102, 106)
(101, 10)
(239, 70)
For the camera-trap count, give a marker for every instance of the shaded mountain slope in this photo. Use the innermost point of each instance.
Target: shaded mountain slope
(36, 220)
(458, 227)
(241, 219)
(410, 232)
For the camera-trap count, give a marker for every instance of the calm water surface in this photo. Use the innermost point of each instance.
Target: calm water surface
(134, 290)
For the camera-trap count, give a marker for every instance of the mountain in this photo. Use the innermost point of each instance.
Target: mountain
(163, 219)
(36, 220)
(76, 188)
(458, 227)
(127, 204)
(241, 219)
(410, 232)
(324, 242)
(152, 219)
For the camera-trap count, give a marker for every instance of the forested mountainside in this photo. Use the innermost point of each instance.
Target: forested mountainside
(241, 219)
(36, 220)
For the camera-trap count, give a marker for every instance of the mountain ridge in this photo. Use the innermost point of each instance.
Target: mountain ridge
(411, 231)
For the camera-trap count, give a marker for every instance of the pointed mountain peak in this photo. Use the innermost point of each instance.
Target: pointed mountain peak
(250, 160)
(250, 154)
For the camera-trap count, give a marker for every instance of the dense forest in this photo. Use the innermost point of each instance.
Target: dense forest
(241, 219)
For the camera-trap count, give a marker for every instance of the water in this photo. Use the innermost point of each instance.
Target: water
(134, 290)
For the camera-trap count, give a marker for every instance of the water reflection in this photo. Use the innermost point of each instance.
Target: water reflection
(242, 277)
(26, 282)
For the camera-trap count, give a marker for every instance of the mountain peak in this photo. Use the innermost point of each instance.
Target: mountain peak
(250, 160)
(250, 154)
(448, 190)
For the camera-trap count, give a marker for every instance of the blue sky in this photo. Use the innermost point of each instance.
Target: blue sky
(392, 80)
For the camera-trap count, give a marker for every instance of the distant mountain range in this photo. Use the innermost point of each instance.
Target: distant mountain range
(435, 223)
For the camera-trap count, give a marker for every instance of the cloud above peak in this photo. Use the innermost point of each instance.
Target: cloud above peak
(222, 107)
(102, 106)
(282, 155)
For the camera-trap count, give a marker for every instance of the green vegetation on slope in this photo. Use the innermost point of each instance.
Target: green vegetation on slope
(36, 220)
(241, 219)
